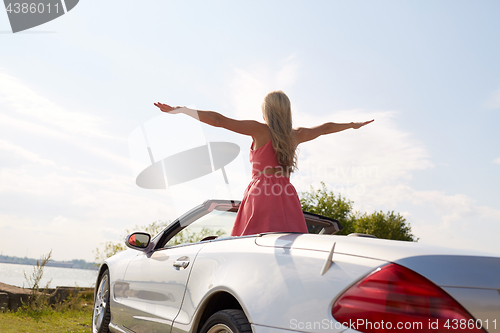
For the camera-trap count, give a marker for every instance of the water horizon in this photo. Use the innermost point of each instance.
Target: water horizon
(13, 274)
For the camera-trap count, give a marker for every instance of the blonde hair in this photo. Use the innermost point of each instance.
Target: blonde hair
(277, 113)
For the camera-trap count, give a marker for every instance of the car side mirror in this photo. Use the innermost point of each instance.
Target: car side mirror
(138, 241)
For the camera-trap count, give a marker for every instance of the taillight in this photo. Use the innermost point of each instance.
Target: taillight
(395, 298)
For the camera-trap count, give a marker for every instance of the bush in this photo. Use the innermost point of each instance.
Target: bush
(388, 225)
(38, 303)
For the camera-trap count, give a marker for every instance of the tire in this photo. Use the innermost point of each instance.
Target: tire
(101, 315)
(227, 321)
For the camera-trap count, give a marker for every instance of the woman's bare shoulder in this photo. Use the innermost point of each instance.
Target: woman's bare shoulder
(262, 136)
(258, 124)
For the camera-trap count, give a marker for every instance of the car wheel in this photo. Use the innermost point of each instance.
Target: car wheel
(227, 321)
(102, 313)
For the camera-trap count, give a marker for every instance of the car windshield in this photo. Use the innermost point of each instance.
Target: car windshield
(217, 223)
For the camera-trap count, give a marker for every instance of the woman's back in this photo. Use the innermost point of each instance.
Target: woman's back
(270, 202)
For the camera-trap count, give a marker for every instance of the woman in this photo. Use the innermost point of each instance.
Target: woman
(270, 202)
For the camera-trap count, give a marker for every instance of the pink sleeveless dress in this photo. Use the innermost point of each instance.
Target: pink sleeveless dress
(270, 202)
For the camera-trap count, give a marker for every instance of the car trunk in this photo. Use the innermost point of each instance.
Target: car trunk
(464, 278)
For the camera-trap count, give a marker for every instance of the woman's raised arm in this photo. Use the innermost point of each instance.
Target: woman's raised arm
(246, 127)
(304, 134)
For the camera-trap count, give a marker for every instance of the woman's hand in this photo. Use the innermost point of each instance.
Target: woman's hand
(358, 125)
(167, 108)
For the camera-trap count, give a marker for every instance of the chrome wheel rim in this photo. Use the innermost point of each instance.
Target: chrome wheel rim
(219, 328)
(100, 304)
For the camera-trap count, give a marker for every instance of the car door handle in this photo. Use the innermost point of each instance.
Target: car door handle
(181, 264)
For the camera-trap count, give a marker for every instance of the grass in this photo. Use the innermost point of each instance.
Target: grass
(72, 315)
(52, 321)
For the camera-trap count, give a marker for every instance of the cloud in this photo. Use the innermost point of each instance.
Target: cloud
(494, 101)
(104, 197)
(249, 86)
(26, 154)
(30, 127)
(373, 155)
(453, 220)
(64, 178)
(17, 97)
(23, 109)
(497, 160)
(371, 166)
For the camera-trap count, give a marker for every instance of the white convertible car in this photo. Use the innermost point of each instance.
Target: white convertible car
(193, 277)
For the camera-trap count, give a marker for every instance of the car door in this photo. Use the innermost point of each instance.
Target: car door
(155, 287)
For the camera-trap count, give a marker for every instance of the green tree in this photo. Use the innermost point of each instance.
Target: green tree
(385, 225)
(188, 236)
(382, 225)
(326, 203)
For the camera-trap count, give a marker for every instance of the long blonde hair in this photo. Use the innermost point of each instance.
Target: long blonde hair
(277, 113)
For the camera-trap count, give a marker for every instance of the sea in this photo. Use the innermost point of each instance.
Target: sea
(13, 274)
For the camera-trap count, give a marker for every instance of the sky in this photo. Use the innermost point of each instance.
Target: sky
(77, 113)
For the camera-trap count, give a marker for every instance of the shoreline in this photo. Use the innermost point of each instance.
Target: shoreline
(49, 264)
(19, 275)
(12, 297)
